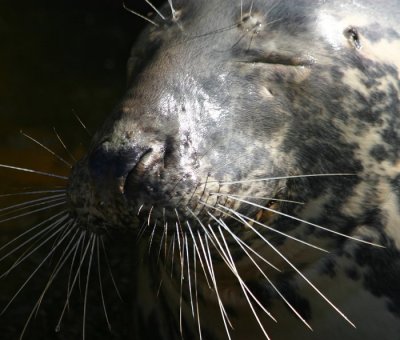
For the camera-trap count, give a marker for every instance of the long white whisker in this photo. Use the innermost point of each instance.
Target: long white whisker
(281, 178)
(139, 15)
(152, 235)
(37, 268)
(32, 212)
(172, 10)
(276, 231)
(39, 243)
(64, 146)
(188, 272)
(223, 312)
(37, 192)
(31, 202)
(195, 250)
(52, 226)
(198, 253)
(223, 224)
(306, 222)
(238, 240)
(227, 257)
(256, 197)
(47, 149)
(31, 206)
(109, 269)
(181, 276)
(207, 256)
(298, 272)
(31, 230)
(78, 243)
(156, 10)
(101, 284)
(93, 241)
(83, 257)
(5, 166)
(37, 305)
(60, 263)
(82, 124)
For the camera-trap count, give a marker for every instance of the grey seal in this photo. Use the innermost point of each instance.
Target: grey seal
(256, 156)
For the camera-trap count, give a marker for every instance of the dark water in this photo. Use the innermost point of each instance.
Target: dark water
(57, 59)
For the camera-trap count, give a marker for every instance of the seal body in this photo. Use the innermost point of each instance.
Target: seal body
(256, 155)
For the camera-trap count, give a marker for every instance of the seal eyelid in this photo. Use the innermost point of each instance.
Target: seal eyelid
(278, 59)
(351, 33)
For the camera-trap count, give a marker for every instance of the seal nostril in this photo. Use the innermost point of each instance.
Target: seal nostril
(168, 151)
(114, 165)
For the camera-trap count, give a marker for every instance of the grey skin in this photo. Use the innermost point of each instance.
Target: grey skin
(291, 105)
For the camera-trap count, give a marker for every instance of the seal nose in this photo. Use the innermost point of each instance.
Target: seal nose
(112, 167)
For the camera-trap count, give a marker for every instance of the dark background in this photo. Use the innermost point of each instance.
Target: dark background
(59, 58)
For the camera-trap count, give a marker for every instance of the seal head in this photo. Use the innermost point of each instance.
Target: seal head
(269, 123)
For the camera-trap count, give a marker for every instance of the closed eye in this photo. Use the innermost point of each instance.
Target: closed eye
(278, 58)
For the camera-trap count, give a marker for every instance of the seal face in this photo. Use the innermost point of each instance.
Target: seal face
(257, 148)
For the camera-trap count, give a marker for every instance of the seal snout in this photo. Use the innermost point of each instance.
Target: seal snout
(117, 169)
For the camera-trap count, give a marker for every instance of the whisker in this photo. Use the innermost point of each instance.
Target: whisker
(28, 203)
(60, 263)
(37, 244)
(181, 276)
(82, 124)
(93, 242)
(33, 204)
(227, 257)
(256, 197)
(156, 10)
(83, 257)
(197, 250)
(149, 217)
(306, 222)
(70, 155)
(47, 149)
(33, 212)
(238, 240)
(39, 192)
(152, 235)
(265, 226)
(37, 172)
(196, 290)
(172, 10)
(31, 230)
(173, 253)
(52, 226)
(141, 232)
(101, 284)
(37, 305)
(223, 224)
(298, 272)
(188, 272)
(109, 269)
(225, 317)
(281, 178)
(139, 15)
(208, 259)
(78, 244)
(161, 244)
(37, 268)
